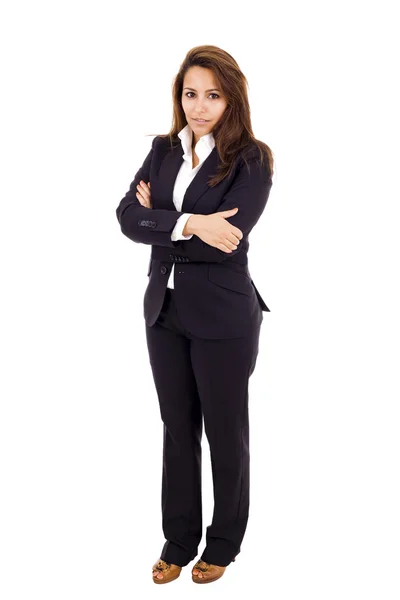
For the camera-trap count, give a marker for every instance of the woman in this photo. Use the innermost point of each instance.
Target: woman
(197, 196)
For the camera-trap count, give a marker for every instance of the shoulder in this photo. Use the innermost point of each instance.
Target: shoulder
(253, 151)
(164, 141)
(155, 142)
(254, 159)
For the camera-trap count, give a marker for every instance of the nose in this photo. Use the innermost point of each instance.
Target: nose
(199, 110)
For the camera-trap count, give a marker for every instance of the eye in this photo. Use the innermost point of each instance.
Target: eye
(212, 94)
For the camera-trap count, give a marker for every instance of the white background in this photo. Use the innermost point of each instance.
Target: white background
(83, 83)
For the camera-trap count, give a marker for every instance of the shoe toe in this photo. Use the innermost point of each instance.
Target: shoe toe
(169, 571)
(206, 572)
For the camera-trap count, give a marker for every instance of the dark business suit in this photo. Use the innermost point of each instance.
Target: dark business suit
(203, 343)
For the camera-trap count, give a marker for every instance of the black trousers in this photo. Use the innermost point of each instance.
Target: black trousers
(200, 379)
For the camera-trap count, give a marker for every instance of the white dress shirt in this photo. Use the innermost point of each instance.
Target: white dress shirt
(185, 175)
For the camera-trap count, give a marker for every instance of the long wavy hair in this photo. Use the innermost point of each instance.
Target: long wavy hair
(233, 134)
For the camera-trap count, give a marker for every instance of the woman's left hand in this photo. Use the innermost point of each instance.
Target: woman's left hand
(143, 194)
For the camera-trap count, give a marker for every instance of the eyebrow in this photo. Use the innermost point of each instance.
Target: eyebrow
(193, 90)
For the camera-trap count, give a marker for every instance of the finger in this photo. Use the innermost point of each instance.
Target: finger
(224, 248)
(143, 189)
(237, 232)
(144, 195)
(141, 199)
(227, 213)
(231, 243)
(233, 239)
(144, 186)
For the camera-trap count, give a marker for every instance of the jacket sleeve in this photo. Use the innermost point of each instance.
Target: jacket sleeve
(180, 226)
(146, 225)
(249, 193)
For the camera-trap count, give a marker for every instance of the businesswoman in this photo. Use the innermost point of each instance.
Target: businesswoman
(196, 198)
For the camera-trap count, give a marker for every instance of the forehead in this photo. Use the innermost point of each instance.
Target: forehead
(200, 78)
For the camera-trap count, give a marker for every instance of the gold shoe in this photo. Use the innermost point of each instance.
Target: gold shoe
(209, 572)
(169, 571)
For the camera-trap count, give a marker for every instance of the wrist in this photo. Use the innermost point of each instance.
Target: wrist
(193, 225)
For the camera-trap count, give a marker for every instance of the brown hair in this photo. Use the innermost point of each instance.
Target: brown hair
(233, 133)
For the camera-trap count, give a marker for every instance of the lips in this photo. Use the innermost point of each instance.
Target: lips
(201, 120)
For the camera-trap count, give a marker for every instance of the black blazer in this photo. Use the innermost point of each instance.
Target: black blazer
(215, 295)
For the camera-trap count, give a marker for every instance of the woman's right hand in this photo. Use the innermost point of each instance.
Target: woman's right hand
(215, 231)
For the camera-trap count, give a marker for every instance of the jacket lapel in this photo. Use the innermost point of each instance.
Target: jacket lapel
(198, 186)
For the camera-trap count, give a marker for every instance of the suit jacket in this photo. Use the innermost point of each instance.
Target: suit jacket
(215, 295)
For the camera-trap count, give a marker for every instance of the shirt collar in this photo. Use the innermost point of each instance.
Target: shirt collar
(203, 147)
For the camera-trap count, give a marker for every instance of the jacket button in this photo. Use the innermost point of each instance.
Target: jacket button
(163, 270)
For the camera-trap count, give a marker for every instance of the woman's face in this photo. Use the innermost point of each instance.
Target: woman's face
(201, 99)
